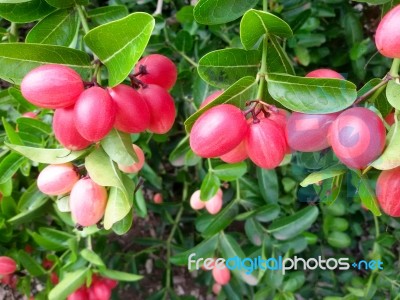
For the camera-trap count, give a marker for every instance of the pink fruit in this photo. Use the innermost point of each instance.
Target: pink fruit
(266, 144)
(7, 265)
(111, 283)
(216, 288)
(390, 119)
(195, 201)
(236, 155)
(357, 137)
(213, 135)
(324, 73)
(158, 198)
(280, 117)
(57, 179)
(65, 130)
(135, 167)
(161, 107)
(309, 133)
(214, 205)
(211, 98)
(388, 192)
(160, 70)
(79, 294)
(221, 276)
(132, 114)
(52, 86)
(95, 113)
(99, 291)
(30, 115)
(387, 38)
(87, 202)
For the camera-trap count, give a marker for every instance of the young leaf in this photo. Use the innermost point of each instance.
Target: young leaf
(118, 146)
(221, 68)
(71, 282)
(367, 196)
(126, 40)
(256, 23)
(311, 95)
(329, 172)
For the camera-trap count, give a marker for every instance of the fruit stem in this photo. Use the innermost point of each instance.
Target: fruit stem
(82, 18)
(368, 94)
(210, 168)
(394, 70)
(13, 36)
(263, 71)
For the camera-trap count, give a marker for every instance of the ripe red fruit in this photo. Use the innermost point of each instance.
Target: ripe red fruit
(52, 86)
(160, 70)
(324, 73)
(388, 192)
(309, 133)
(266, 144)
(111, 283)
(65, 130)
(214, 205)
(221, 276)
(236, 155)
(158, 198)
(280, 117)
(135, 167)
(79, 294)
(99, 290)
(213, 135)
(95, 113)
(57, 179)
(161, 107)
(10, 280)
(390, 119)
(357, 137)
(211, 98)
(87, 202)
(132, 113)
(387, 38)
(7, 265)
(47, 264)
(54, 278)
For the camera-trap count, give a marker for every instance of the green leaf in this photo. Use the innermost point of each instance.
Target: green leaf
(67, 3)
(92, 257)
(368, 197)
(10, 165)
(256, 23)
(106, 14)
(209, 187)
(373, 2)
(13, 1)
(204, 249)
(339, 240)
(393, 93)
(120, 276)
(117, 208)
(288, 227)
(211, 12)
(122, 226)
(230, 172)
(58, 28)
(222, 220)
(17, 95)
(46, 156)
(126, 40)
(6, 188)
(237, 94)
(12, 135)
(34, 125)
(71, 282)
(277, 59)
(151, 176)
(118, 145)
(221, 68)
(46, 243)
(329, 172)
(56, 236)
(25, 12)
(268, 185)
(184, 41)
(390, 157)
(311, 95)
(30, 264)
(17, 59)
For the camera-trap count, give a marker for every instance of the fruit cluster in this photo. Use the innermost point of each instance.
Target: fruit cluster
(99, 289)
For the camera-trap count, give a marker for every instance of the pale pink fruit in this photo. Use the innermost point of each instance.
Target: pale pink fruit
(135, 167)
(7, 265)
(57, 179)
(30, 115)
(195, 201)
(214, 205)
(324, 73)
(211, 98)
(236, 155)
(158, 198)
(221, 276)
(216, 288)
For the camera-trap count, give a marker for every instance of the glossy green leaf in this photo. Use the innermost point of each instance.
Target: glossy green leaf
(237, 94)
(92, 257)
(151, 176)
(10, 165)
(220, 11)
(329, 172)
(106, 14)
(268, 185)
(209, 186)
(256, 23)
(230, 172)
(34, 125)
(393, 93)
(140, 204)
(122, 226)
(46, 243)
(311, 95)
(17, 59)
(66, 3)
(71, 282)
(277, 59)
(267, 213)
(46, 156)
(126, 40)
(30, 264)
(12, 135)
(290, 226)
(118, 145)
(17, 95)
(368, 197)
(120, 276)
(221, 68)
(25, 12)
(58, 28)
(222, 220)
(117, 208)
(6, 188)
(390, 157)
